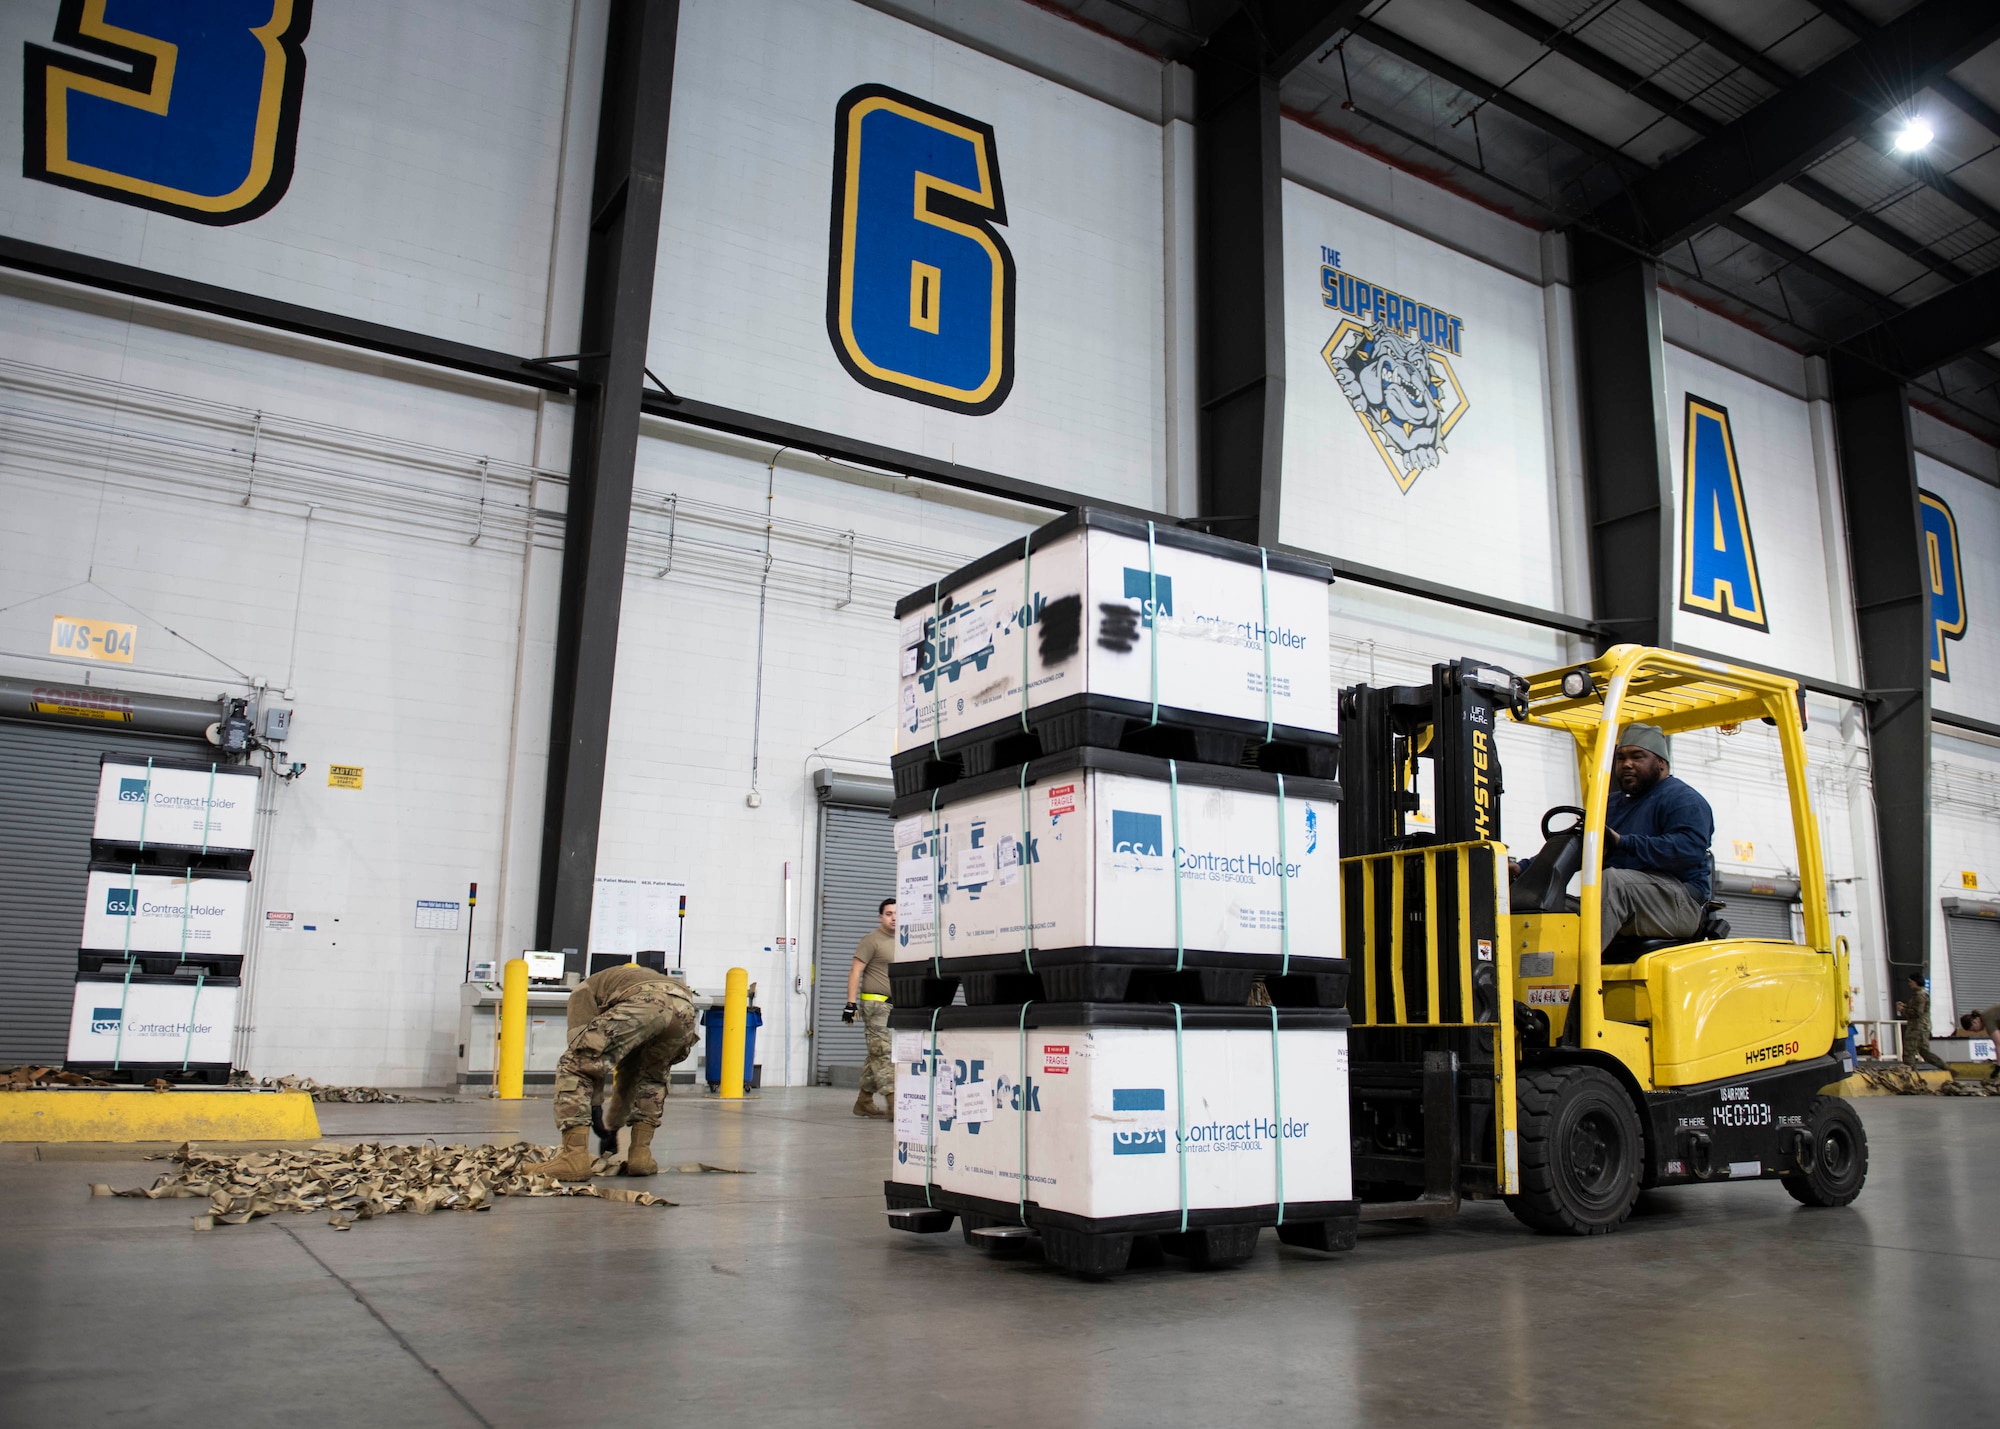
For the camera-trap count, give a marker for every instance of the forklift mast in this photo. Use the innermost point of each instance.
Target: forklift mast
(1385, 732)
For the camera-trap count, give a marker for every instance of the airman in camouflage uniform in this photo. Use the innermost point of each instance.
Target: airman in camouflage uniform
(628, 1025)
(1916, 1010)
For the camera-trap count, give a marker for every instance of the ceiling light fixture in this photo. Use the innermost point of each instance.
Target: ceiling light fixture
(1915, 134)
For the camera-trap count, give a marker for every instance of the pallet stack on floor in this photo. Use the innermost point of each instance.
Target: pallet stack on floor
(160, 960)
(1119, 1026)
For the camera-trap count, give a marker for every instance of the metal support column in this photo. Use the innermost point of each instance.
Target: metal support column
(1892, 603)
(1625, 471)
(617, 310)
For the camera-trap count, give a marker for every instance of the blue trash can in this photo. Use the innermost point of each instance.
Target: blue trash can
(711, 1031)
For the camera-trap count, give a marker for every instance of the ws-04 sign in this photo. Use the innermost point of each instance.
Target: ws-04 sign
(919, 284)
(187, 107)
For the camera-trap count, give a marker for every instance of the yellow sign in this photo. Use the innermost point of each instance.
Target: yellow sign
(1967, 878)
(343, 776)
(1745, 850)
(84, 639)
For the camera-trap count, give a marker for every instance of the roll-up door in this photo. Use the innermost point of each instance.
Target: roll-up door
(1758, 915)
(857, 870)
(1973, 942)
(48, 798)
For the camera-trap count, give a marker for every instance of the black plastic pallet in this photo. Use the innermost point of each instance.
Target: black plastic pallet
(1121, 975)
(171, 858)
(207, 1074)
(215, 965)
(1097, 1248)
(1102, 722)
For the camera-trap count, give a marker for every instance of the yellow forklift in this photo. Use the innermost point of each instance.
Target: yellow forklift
(1495, 1051)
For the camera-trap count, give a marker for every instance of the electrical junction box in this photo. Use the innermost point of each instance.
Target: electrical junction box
(177, 804)
(135, 909)
(275, 723)
(1090, 609)
(1095, 831)
(1110, 1102)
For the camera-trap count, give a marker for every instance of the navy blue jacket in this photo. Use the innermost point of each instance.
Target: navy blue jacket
(1666, 830)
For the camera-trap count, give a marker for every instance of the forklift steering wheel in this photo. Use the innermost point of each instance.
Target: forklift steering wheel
(1562, 809)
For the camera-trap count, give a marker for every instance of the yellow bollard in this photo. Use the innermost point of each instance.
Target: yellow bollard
(735, 1026)
(513, 1030)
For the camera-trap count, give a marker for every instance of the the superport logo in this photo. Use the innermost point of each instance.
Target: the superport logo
(1776, 1052)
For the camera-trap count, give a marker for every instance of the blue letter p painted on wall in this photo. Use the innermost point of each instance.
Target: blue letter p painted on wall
(919, 285)
(197, 116)
(1718, 558)
(1946, 577)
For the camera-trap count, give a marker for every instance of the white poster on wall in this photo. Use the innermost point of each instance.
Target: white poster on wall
(635, 915)
(1012, 318)
(1416, 406)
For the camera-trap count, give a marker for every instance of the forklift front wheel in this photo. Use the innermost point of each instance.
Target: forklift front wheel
(1580, 1152)
(1839, 1156)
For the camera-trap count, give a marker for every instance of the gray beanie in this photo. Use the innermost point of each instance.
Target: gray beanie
(1647, 737)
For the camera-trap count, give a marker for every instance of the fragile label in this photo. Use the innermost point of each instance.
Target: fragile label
(1062, 800)
(1548, 996)
(1055, 1059)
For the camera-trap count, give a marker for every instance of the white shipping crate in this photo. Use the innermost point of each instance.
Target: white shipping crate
(1106, 1107)
(149, 911)
(1094, 835)
(1079, 617)
(146, 1021)
(176, 804)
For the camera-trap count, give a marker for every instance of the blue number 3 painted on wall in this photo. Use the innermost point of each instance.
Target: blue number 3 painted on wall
(920, 288)
(197, 116)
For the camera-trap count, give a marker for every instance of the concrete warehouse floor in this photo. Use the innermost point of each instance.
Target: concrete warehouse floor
(783, 1298)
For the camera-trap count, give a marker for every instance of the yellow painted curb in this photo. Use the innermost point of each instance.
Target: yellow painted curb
(85, 1114)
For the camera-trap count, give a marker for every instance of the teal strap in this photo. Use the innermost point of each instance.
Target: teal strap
(132, 905)
(1180, 1101)
(1264, 588)
(147, 807)
(1027, 619)
(1174, 808)
(207, 809)
(1284, 887)
(937, 669)
(1021, 1091)
(930, 1126)
(1278, 1114)
(1153, 615)
(1027, 878)
(187, 1049)
(187, 903)
(937, 891)
(124, 996)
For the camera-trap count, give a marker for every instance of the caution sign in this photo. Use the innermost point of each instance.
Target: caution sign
(80, 638)
(343, 776)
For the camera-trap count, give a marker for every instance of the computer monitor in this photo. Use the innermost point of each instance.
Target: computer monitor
(544, 967)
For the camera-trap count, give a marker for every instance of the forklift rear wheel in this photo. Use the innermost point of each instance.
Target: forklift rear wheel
(1580, 1152)
(1840, 1156)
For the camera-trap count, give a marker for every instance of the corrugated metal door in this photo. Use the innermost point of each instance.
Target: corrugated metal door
(857, 870)
(48, 798)
(1758, 915)
(1974, 945)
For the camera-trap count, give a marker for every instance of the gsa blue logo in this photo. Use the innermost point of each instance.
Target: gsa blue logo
(120, 902)
(1139, 1143)
(105, 1019)
(131, 791)
(1139, 586)
(196, 114)
(1947, 578)
(1718, 558)
(919, 296)
(1135, 833)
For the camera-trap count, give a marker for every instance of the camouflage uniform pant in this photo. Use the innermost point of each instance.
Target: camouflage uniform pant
(1917, 1046)
(642, 1037)
(878, 1073)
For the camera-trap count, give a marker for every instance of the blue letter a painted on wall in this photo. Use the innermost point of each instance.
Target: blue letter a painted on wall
(1947, 579)
(1718, 558)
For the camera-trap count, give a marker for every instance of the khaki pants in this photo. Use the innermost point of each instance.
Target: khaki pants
(1645, 905)
(878, 1073)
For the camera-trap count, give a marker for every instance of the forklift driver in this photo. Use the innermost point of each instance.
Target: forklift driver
(1657, 832)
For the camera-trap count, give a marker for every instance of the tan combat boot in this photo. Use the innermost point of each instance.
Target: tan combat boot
(573, 1162)
(639, 1157)
(864, 1105)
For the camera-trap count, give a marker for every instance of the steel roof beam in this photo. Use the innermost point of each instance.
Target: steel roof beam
(1954, 324)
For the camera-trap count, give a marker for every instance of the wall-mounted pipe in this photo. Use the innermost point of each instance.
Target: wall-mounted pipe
(96, 707)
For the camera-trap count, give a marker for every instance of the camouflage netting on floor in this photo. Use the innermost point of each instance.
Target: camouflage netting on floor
(1904, 1082)
(321, 1093)
(360, 1182)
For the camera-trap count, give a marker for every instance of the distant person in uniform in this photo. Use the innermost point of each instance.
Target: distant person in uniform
(628, 1026)
(868, 994)
(1656, 836)
(1915, 1010)
(1983, 1023)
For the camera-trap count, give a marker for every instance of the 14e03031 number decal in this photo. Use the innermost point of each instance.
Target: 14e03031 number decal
(920, 286)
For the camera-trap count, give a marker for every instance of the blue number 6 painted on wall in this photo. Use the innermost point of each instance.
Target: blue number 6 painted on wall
(920, 288)
(202, 124)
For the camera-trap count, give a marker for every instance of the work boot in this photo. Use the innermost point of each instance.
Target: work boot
(573, 1162)
(864, 1105)
(639, 1156)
